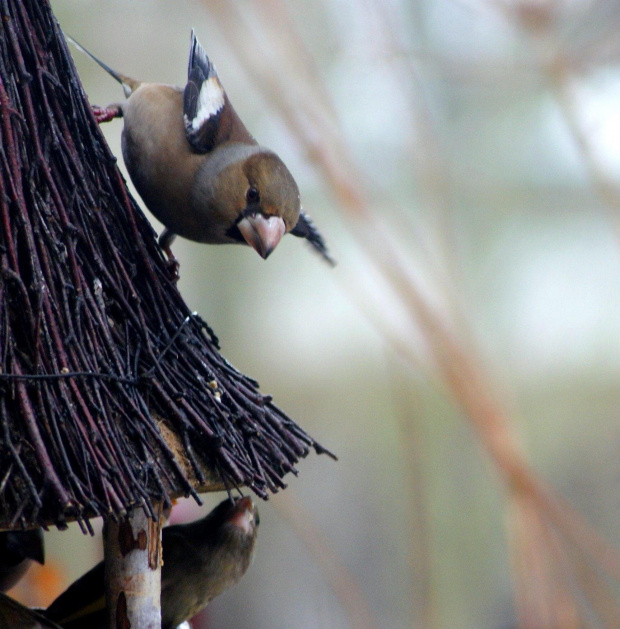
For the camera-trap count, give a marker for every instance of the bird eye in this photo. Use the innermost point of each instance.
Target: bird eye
(252, 195)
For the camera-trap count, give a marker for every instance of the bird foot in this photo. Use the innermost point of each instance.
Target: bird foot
(165, 241)
(105, 114)
(172, 264)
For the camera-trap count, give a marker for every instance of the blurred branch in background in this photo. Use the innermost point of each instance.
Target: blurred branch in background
(557, 556)
(566, 57)
(340, 579)
(423, 599)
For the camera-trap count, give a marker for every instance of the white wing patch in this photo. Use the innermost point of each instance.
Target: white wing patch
(210, 102)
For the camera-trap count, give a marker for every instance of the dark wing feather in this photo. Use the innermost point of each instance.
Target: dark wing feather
(204, 100)
(305, 229)
(81, 602)
(14, 615)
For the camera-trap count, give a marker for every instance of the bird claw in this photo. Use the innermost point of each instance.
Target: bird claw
(172, 265)
(105, 114)
(165, 241)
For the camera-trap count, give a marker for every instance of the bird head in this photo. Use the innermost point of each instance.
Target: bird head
(271, 202)
(246, 195)
(236, 518)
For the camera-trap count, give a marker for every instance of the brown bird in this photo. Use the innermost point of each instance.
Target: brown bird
(199, 170)
(200, 560)
(18, 549)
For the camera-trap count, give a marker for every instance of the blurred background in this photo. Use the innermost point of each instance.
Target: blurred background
(462, 160)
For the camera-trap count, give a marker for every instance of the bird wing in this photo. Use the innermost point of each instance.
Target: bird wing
(305, 229)
(209, 117)
(82, 598)
(204, 100)
(16, 616)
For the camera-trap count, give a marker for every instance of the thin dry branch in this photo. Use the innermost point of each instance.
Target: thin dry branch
(112, 393)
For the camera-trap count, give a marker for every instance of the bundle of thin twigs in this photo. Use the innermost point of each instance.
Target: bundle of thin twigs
(112, 393)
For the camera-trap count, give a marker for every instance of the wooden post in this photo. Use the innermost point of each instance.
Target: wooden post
(132, 550)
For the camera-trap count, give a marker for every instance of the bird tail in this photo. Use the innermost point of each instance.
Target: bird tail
(129, 85)
(305, 229)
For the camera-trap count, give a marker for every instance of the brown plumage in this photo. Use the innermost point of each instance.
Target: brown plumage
(200, 560)
(199, 170)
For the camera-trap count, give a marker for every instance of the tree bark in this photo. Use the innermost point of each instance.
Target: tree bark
(132, 550)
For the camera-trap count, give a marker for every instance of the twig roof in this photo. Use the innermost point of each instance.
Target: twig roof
(112, 393)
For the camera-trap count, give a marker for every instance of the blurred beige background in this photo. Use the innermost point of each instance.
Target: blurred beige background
(487, 137)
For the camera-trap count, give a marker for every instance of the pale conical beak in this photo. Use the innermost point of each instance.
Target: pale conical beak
(242, 515)
(261, 233)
